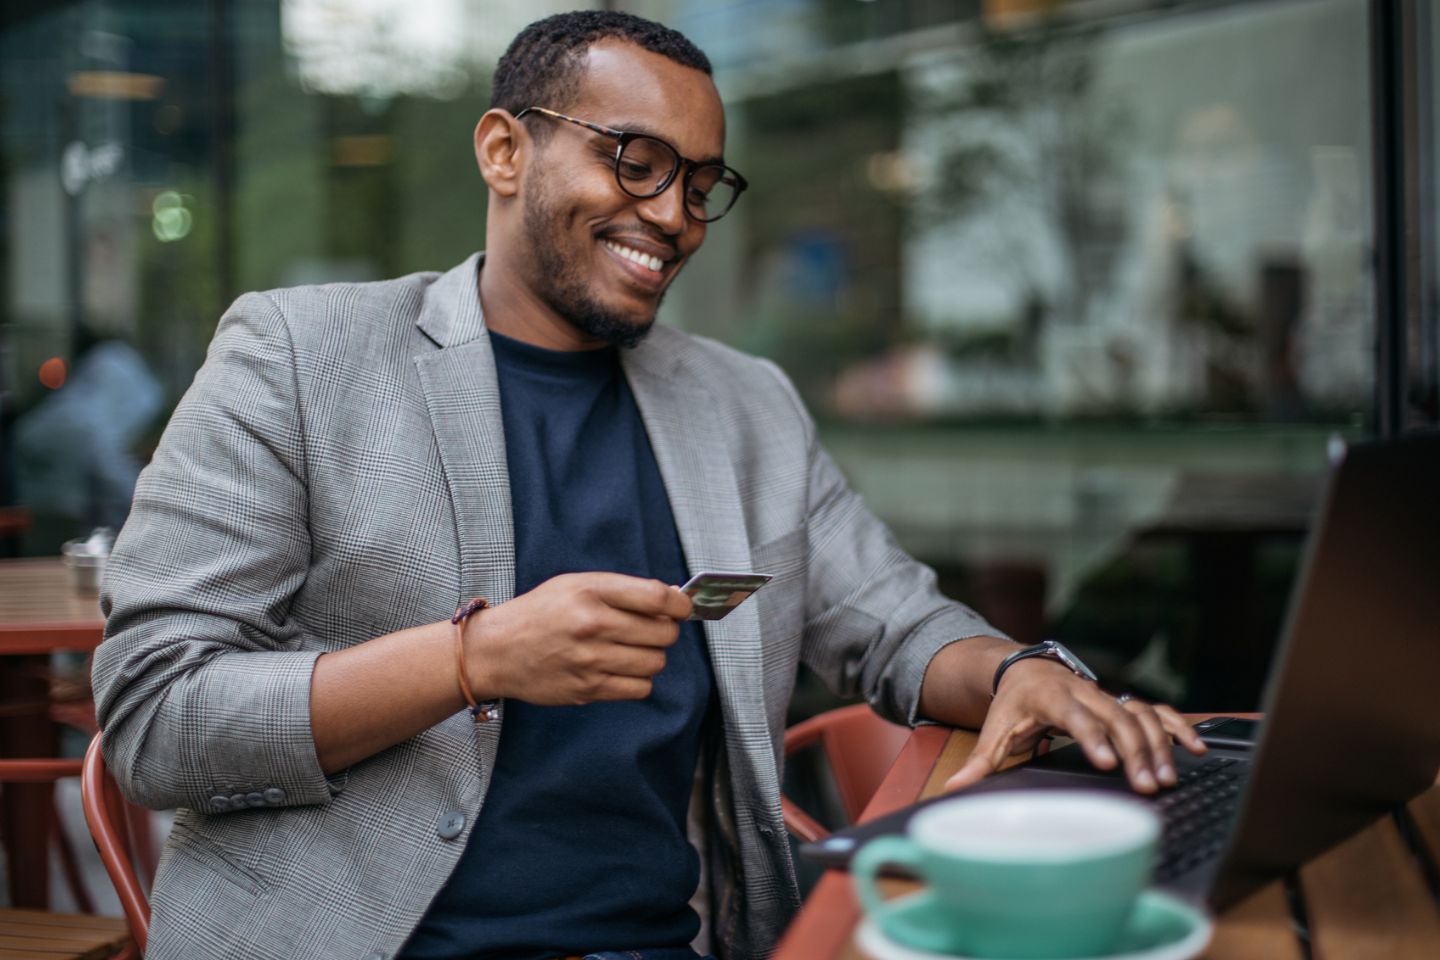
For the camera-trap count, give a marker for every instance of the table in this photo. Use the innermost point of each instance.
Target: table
(1367, 897)
(26, 933)
(41, 613)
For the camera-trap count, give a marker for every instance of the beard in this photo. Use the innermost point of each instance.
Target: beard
(563, 285)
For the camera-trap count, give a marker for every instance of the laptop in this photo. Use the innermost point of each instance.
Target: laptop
(1351, 731)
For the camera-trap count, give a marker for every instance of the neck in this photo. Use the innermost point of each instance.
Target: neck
(511, 308)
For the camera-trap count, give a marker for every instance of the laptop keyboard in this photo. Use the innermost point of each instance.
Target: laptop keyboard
(1197, 812)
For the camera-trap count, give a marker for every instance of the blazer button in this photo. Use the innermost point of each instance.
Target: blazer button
(451, 825)
(220, 804)
(237, 801)
(274, 796)
(254, 799)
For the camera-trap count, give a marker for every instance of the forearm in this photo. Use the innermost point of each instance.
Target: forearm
(574, 639)
(956, 688)
(371, 696)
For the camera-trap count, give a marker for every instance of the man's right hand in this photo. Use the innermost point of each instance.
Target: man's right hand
(577, 638)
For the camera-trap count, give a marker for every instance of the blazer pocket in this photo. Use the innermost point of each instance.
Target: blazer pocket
(782, 600)
(203, 852)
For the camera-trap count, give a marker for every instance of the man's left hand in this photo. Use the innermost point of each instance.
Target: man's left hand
(1037, 696)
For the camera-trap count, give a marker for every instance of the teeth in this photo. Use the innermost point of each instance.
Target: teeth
(635, 256)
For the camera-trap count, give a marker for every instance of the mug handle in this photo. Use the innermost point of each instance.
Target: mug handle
(880, 852)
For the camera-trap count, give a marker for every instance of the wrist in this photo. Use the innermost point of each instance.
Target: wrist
(956, 686)
(480, 663)
(481, 708)
(1032, 668)
(1047, 650)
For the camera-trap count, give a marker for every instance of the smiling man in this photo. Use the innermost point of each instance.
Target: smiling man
(573, 262)
(569, 766)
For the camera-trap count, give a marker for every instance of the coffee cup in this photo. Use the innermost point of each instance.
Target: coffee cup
(1019, 875)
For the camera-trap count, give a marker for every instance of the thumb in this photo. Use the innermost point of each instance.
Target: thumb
(977, 768)
(991, 748)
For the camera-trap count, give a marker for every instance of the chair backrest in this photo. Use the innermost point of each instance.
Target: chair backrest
(109, 826)
(859, 747)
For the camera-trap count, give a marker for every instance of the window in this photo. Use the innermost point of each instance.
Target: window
(1081, 294)
(1081, 301)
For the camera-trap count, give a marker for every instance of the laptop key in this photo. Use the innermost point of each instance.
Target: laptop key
(1197, 813)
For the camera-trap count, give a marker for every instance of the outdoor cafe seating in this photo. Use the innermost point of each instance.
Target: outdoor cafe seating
(51, 936)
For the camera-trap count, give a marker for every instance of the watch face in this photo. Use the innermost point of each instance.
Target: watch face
(1062, 653)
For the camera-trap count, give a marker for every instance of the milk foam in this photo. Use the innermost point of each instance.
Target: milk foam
(1035, 826)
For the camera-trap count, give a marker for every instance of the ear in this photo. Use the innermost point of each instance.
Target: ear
(500, 144)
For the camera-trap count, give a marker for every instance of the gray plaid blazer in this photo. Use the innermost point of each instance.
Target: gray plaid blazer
(336, 472)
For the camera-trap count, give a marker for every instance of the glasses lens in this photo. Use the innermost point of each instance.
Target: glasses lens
(645, 166)
(712, 191)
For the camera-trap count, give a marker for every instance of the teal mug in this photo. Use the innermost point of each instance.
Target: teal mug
(1019, 875)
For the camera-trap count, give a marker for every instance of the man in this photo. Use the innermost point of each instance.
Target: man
(355, 461)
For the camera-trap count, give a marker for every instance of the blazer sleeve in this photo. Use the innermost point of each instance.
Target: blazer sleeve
(874, 618)
(202, 684)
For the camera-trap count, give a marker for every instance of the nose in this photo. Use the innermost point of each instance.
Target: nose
(666, 210)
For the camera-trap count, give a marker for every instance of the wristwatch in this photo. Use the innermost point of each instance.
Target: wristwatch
(1050, 650)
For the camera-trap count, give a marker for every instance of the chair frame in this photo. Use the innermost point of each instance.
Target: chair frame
(106, 814)
(860, 746)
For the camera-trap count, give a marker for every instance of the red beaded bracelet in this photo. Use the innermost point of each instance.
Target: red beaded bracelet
(487, 709)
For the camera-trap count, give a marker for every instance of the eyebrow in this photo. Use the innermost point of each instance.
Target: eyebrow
(652, 132)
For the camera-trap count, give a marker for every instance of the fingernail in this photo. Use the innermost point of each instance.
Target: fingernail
(1167, 774)
(1105, 754)
(1144, 780)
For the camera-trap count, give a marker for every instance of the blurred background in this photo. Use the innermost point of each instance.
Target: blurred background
(1081, 293)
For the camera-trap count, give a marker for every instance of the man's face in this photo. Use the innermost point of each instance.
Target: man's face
(582, 232)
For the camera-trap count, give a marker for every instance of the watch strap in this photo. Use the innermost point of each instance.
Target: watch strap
(1050, 650)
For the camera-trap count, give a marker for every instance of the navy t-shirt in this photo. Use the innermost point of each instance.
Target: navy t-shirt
(581, 845)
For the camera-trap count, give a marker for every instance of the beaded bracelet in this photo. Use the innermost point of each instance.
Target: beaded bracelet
(487, 709)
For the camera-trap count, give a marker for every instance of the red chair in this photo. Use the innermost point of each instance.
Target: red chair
(859, 747)
(107, 814)
(79, 714)
(37, 932)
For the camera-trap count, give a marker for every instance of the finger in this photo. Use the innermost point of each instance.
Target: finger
(640, 631)
(1088, 730)
(600, 622)
(1179, 728)
(1129, 740)
(629, 661)
(681, 605)
(622, 688)
(975, 769)
(639, 595)
(1158, 739)
(990, 750)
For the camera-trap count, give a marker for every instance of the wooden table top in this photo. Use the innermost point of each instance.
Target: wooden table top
(41, 610)
(1367, 897)
(32, 934)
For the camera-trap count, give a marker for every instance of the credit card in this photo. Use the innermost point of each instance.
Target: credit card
(716, 594)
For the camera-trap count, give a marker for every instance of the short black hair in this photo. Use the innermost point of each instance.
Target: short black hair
(541, 67)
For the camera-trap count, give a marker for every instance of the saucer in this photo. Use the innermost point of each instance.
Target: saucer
(1160, 928)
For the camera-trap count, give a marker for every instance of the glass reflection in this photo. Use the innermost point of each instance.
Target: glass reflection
(1078, 302)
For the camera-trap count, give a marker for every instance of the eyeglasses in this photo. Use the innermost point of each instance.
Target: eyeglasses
(645, 166)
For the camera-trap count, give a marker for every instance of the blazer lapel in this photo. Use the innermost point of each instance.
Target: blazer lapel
(705, 500)
(462, 397)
